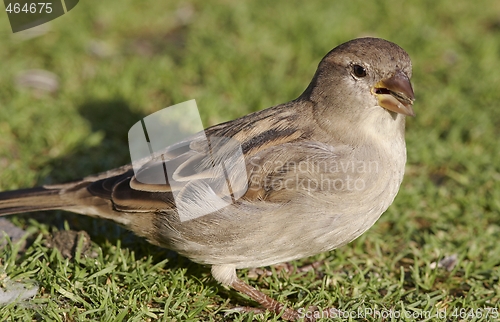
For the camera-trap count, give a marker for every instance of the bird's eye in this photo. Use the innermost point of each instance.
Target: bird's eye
(359, 71)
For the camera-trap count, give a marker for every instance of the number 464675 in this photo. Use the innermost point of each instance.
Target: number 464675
(40, 7)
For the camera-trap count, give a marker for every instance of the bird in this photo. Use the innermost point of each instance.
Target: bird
(318, 171)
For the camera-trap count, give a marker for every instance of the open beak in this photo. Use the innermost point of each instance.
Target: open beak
(395, 94)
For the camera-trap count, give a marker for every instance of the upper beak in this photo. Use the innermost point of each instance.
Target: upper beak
(395, 94)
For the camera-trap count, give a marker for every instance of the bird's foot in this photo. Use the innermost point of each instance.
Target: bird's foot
(288, 314)
(264, 300)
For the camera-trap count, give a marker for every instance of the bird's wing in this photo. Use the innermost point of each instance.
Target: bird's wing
(213, 165)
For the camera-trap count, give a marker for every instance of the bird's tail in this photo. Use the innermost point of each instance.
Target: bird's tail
(33, 199)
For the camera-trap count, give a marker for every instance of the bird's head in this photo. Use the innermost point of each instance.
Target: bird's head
(365, 75)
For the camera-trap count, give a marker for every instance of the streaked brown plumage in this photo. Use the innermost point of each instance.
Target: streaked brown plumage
(353, 111)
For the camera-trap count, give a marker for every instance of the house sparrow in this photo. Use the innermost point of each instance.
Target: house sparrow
(319, 171)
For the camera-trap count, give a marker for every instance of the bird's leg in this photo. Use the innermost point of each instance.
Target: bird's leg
(272, 305)
(264, 300)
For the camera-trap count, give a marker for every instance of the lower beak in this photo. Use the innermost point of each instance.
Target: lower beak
(395, 94)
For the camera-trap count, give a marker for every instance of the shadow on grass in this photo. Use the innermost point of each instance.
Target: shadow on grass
(113, 119)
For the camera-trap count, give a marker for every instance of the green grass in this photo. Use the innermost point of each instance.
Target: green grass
(234, 58)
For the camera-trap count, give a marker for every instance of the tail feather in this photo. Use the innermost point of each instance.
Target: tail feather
(33, 199)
